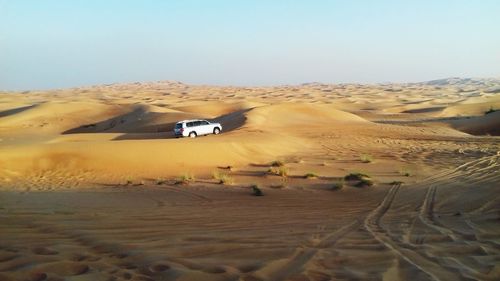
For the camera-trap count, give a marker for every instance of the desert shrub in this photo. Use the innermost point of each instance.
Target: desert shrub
(129, 181)
(338, 185)
(404, 172)
(256, 191)
(491, 110)
(280, 171)
(222, 178)
(355, 176)
(396, 182)
(310, 175)
(366, 158)
(364, 182)
(185, 178)
(160, 181)
(277, 163)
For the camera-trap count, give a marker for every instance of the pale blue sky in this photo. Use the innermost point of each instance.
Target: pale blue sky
(54, 44)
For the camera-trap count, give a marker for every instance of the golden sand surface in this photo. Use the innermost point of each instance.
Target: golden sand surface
(94, 185)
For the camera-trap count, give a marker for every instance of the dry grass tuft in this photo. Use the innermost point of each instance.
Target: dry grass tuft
(277, 163)
(355, 176)
(280, 171)
(310, 175)
(185, 178)
(366, 158)
(222, 178)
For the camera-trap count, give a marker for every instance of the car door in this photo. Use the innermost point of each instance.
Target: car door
(190, 127)
(197, 128)
(206, 128)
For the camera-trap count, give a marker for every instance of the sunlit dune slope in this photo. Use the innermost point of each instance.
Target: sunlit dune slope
(108, 133)
(56, 116)
(258, 134)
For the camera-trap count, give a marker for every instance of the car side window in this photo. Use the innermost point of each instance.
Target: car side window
(197, 123)
(204, 123)
(189, 124)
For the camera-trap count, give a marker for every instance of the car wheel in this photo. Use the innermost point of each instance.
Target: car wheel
(192, 135)
(216, 131)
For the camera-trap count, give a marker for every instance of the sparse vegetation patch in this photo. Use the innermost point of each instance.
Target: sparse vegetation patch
(405, 172)
(396, 182)
(256, 191)
(222, 178)
(355, 176)
(277, 163)
(160, 181)
(359, 179)
(338, 185)
(310, 175)
(366, 158)
(185, 178)
(489, 111)
(129, 181)
(364, 182)
(280, 171)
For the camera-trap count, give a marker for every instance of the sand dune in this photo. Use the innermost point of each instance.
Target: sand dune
(216, 108)
(293, 115)
(488, 124)
(54, 115)
(474, 107)
(92, 182)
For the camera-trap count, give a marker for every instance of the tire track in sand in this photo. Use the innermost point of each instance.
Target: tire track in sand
(285, 268)
(426, 216)
(372, 224)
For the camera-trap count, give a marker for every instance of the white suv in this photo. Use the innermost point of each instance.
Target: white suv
(194, 128)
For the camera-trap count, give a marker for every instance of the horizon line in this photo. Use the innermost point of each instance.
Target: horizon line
(222, 85)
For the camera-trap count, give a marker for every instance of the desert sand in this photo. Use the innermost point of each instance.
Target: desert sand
(94, 186)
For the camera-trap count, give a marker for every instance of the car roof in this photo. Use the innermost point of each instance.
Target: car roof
(191, 120)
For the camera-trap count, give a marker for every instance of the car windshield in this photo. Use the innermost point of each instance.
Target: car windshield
(178, 125)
